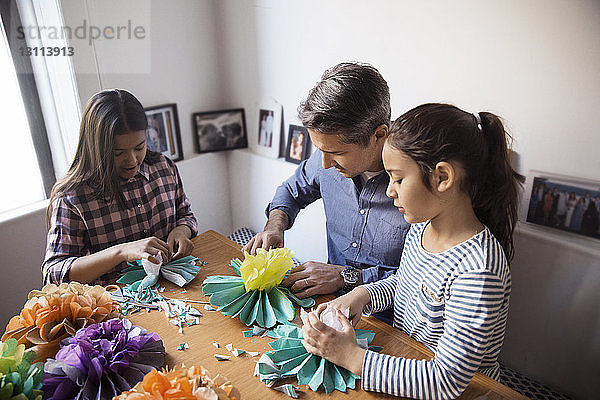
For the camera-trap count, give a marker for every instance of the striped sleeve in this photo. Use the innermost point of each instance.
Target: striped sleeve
(66, 241)
(471, 315)
(382, 294)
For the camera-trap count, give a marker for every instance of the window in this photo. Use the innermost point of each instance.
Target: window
(39, 106)
(21, 175)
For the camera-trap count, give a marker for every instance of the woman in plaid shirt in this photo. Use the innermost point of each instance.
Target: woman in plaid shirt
(118, 202)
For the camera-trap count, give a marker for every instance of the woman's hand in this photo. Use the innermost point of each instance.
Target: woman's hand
(179, 241)
(353, 301)
(339, 347)
(147, 248)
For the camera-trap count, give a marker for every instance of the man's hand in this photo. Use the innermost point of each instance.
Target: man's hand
(313, 278)
(265, 240)
(272, 236)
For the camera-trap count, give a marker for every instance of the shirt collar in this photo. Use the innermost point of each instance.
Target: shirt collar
(144, 170)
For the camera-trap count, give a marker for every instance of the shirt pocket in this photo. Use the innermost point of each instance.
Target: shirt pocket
(429, 308)
(387, 242)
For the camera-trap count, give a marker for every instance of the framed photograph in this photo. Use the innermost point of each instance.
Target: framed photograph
(162, 133)
(220, 130)
(298, 144)
(269, 128)
(564, 203)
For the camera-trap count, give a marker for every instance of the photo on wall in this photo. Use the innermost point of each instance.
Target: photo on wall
(220, 130)
(565, 204)
(269, 128)
(162, 133)
(298, 144)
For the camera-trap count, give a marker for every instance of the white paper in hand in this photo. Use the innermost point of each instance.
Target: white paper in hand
(152, 271)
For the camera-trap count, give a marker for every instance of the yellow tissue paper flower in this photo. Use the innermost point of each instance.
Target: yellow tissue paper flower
(266, 269)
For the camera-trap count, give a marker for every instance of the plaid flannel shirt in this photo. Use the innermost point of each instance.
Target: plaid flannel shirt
(81, 224)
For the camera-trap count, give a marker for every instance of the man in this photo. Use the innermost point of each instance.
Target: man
(347, 115)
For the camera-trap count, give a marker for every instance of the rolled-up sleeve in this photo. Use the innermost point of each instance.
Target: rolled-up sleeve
(299, 190)
(66, 241)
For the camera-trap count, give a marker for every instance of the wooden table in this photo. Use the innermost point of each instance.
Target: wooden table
(217, 251)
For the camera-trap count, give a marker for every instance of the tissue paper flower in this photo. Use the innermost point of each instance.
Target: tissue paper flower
(19, 378)
(181, 384)
(101, 361)
(143, 274)
(255, 295)
(266, 269)
(56, 312)
(290, 358)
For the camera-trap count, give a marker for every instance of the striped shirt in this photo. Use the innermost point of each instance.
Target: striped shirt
(456, 303)
(81, 224)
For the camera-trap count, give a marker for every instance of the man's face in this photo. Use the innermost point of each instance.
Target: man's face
(349, 160)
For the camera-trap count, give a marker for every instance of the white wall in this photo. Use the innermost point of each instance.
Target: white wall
(535, 63)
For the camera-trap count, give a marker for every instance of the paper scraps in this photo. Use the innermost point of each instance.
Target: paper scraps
(221, 357)
(289, 390)
(183, 347)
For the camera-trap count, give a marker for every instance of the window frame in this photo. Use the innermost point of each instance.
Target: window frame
(10, 17)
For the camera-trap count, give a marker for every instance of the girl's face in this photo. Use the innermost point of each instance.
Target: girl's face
(129, 152)
(410, 195)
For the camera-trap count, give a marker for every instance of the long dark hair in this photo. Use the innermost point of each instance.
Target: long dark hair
(106, 114)
(431, 133)
(351, 100)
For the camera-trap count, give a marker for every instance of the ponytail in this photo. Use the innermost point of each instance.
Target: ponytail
(496, 198)
(432, 133)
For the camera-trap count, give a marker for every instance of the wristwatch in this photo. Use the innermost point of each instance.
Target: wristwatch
(351, 276)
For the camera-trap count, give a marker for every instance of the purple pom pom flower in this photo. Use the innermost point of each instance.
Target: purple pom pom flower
(101, 361)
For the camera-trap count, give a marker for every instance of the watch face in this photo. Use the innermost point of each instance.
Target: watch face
(350, 275)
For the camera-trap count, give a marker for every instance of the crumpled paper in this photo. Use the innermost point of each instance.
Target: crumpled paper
(143, 274)
(19, 377)
(182, 383)
(57, 312)
(265, 307)
(290, 358)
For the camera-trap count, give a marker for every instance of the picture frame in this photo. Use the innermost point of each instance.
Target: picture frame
(565, 203)
(163, 134)
(220, 130)
(298, 144)
(268, 128)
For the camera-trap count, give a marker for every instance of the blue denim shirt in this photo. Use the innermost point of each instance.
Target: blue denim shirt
(364, 229)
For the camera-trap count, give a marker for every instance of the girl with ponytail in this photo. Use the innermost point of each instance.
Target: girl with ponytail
(451, 177)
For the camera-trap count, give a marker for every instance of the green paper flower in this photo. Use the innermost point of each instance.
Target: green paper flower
(180, 272)
(265, 306)
(290, 358)
(19, 378)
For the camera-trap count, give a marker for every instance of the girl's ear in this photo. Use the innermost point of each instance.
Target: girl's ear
(444, 176)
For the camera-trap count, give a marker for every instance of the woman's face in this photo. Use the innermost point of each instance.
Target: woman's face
(129, 152)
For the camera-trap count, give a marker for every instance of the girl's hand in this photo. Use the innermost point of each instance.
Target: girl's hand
(178, 240)
(339, 347)
(146, 248)
(354, 301)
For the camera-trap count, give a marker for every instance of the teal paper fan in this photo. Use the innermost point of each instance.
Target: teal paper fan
(262, 307)
(180, 272)
(290, 358)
